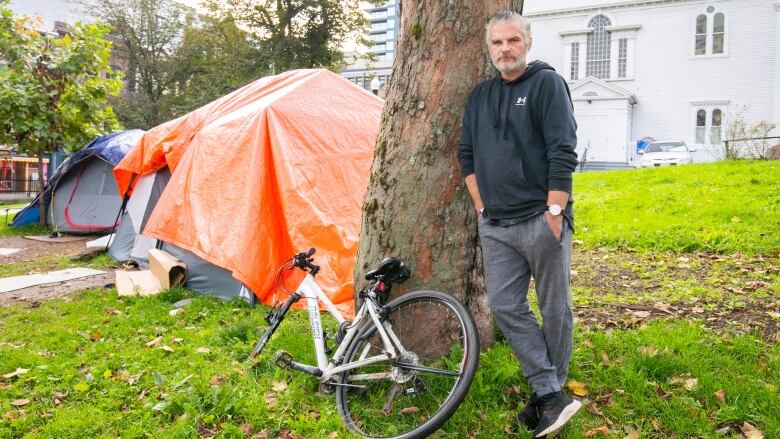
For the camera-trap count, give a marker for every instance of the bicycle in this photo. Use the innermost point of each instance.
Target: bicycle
(400, 369)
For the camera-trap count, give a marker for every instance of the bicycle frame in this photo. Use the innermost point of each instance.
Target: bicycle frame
(327, 369)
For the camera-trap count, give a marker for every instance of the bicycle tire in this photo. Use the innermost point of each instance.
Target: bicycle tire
(442, 336)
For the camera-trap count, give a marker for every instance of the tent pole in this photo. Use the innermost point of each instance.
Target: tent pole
(122, 209)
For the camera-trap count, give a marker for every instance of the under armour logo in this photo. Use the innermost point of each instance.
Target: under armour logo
(521, 101)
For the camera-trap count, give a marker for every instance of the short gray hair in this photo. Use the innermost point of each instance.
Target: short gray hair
(508, 17)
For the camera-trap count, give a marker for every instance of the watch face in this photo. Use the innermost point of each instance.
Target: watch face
(555, 209)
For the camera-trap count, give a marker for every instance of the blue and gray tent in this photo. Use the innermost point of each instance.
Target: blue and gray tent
(82, 196)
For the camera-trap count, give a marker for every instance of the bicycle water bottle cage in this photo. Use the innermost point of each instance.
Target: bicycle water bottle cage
(390, 270)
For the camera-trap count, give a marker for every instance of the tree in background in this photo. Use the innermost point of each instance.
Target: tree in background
(179, 60)
(53, 91)
(417, 206)
(150, 31)
(294, 34)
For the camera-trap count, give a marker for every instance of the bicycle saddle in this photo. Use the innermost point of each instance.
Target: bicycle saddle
(390, 269)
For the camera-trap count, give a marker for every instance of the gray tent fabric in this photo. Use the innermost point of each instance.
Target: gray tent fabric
(85, 201)
(207, 278)
(130, 245)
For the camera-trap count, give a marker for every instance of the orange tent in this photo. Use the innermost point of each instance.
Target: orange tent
(276, 167)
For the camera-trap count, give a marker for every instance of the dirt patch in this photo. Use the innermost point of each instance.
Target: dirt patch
(724, 292)
(32, 250)
(33, 296)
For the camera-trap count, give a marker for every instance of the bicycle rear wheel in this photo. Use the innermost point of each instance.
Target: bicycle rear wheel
(413, 395)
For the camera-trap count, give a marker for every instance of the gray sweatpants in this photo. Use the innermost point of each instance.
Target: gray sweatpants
(511, 256)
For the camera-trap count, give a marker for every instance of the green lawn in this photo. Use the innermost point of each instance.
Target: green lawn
(720, 207)
(706, 367)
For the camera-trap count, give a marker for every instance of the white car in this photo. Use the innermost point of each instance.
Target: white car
(666, 153)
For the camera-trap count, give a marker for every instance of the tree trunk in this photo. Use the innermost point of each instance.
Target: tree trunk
(417, 206)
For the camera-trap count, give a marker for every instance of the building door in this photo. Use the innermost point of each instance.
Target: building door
(593, 138)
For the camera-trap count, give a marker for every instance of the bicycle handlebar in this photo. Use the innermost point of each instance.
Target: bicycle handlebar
(303, 260)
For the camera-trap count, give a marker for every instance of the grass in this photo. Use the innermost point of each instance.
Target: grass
(702, 237)
(722, 207)
(90, 374)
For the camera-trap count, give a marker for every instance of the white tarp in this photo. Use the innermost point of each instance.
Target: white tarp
(19, 282)
(8, 251)
(100, 242)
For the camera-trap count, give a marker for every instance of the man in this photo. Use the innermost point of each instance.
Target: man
(517, 156)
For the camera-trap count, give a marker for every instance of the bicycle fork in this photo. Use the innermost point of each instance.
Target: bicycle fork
(274, 319)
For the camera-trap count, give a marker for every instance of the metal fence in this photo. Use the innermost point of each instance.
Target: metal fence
(19, 188)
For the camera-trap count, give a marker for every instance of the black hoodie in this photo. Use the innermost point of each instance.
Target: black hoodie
(519, 138)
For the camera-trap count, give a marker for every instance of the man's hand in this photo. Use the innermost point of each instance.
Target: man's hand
(555, 223)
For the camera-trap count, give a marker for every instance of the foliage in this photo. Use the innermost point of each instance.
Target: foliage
(297, 33)
(179, 60)
(148, 31)
(720, 207)
(748, 141)
(53, 90)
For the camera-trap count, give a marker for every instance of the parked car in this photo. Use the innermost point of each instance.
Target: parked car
(666, 153)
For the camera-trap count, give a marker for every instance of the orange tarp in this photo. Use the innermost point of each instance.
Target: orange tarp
(276, 167)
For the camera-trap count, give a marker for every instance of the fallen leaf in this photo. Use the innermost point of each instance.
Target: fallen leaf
(409, 410)
(604, 357)
(20, 402)
(593, 409)
(333, 435)
(203, 350)
(177, 340)
(59, 394)
(175, 312)
(278, 386)
(166, 348)
(751, 432)
(246, 428)
(83, 368)
(577, 388)
(605, 399)
(262, 434)
(95, 336)
(204, 431)
(113, 312)
(45, 353)
(639, 314)
(270, 399)
(511, 390)
(649, 350)
(686, 381)
(633, 435)
(662, 393)
(132, 379)
(19, 371)
(154, 342)
(721, 396)
(601, 431)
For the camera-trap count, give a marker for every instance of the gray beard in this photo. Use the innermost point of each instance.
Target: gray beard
(509, 68)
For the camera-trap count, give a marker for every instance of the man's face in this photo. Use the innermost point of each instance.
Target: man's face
(508, 47)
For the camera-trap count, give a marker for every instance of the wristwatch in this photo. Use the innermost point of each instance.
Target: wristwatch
(554, 209)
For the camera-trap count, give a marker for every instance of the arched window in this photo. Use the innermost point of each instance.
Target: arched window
(715, 128)
(701, 125)
(710, 37)
(701, 34)
(718, 33)
(598, 51)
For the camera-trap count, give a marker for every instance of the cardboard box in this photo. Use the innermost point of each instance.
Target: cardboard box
(165, 271)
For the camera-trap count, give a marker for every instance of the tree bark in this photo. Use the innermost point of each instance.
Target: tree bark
(417, 206)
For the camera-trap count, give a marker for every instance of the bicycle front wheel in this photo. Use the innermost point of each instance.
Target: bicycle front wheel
(413, 395)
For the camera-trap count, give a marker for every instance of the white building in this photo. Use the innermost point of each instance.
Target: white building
(668, 69)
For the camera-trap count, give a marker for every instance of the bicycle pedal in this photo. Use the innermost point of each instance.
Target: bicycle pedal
(283, 359)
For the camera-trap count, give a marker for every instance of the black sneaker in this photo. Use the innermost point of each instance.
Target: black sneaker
(555, 410)
(528, 417)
